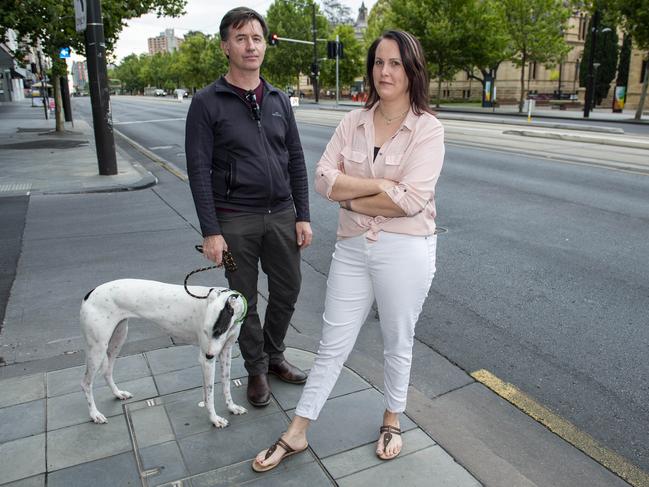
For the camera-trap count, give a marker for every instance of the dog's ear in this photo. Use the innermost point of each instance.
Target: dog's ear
(223, 320)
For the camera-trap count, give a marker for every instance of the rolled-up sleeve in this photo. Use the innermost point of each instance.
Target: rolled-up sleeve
(328, 168)
(422, 168)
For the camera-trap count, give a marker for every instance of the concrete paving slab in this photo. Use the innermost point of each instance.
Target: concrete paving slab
(22, 458)
(36, 481)
(172, 358)
(300, 358)
(119, 470)
(501, 446)
(71, 409)
(85, 215)
(166, 459)
(364, 457)
(22, 420)
(22, 389)
(241, 473)
(151, 426)
(308, 474)
(187, 418)
(430, 467)
(180, 380)
(86, 442)
(40, 295)
(288, 395)
(218, 448)
(348, 422)
(65, 381)
(433, 374)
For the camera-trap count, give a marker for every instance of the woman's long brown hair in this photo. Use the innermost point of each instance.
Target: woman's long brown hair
(414, 63)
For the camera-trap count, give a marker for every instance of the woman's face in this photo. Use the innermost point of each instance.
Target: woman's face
(390, 78)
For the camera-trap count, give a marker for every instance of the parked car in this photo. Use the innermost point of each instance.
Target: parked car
(159, 92)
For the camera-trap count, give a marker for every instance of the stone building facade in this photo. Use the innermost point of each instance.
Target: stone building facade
(563, 77)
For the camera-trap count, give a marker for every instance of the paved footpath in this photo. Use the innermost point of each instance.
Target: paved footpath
(81, 229)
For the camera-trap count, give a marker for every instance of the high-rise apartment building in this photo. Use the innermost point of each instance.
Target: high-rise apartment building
(165, 42)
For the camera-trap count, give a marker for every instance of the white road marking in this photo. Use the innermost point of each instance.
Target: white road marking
(161, 147)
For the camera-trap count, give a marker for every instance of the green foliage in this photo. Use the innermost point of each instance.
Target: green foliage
(378, 21)
(284, 62)
(536, 30)
(52, 22)
(634, 18)
(197, 63)
(487, 42)
(606, 54)
(351, 66)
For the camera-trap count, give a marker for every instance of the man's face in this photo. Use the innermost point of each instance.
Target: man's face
(245, 46)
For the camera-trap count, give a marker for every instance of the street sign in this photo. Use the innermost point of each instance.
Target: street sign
(64, 52)
(80, 14)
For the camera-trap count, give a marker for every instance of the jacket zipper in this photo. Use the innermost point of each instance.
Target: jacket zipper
(264, 143)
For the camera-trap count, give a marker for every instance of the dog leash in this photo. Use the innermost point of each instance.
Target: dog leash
(228, 263)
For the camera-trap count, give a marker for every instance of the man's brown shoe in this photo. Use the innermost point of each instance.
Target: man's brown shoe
(258, 390)
(287, 372)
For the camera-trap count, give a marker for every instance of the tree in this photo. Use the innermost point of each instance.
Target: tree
(606, 54)
(351, 66)
(486, 40)
(634, 18)
(129, 72)
(285, 62)
(440, 27)
(378, 21)
(52, 23)
(536, 29)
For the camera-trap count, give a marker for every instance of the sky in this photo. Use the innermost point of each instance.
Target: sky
(202, 15)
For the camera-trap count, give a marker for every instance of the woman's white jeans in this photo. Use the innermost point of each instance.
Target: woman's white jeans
(397, 271)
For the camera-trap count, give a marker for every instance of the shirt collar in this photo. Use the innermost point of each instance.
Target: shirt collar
(367, 117)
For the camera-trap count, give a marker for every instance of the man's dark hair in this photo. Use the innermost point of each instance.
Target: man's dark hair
(238, 17)
(414, 63)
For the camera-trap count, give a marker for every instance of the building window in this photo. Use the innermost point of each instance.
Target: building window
(583, 27)
(643, 70)
(532, 73)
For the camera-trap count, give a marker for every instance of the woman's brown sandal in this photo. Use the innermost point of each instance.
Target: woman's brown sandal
(288, 451)
(387, 438)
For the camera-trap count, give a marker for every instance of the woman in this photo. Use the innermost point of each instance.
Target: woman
(381, 166)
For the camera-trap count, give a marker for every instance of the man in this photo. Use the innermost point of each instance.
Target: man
(249, 183)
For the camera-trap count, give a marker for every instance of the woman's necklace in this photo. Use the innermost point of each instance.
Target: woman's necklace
(389, 120)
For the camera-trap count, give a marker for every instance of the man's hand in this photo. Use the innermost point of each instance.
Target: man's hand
(304, 234)
(213, 247)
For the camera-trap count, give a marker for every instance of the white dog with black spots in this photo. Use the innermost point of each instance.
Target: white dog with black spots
(212, 323)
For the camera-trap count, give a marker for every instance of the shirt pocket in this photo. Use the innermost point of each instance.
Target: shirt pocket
(393, 165)
(354, 162)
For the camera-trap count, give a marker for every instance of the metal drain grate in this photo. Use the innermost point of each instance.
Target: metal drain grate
(15, 187)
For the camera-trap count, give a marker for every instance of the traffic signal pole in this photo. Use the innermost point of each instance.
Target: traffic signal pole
(316, 91)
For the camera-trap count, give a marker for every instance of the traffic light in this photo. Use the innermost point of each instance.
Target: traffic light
(273, 39)
(331, 49)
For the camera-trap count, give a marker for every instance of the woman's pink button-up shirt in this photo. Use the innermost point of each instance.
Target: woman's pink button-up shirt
(413, 157)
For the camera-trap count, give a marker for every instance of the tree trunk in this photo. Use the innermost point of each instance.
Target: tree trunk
(521, 101)
(439, 91)
(58, 103)
(643, 93)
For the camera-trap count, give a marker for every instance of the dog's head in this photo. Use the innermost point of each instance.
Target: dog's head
(233, 311)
